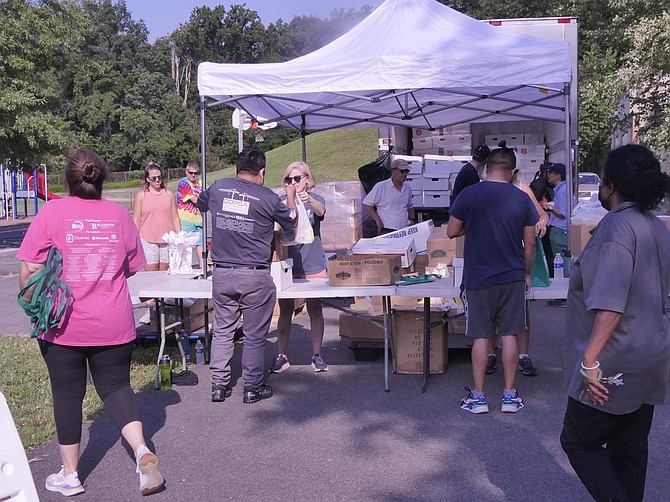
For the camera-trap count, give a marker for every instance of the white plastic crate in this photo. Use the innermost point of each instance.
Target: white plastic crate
(436, 183)
(443, 165)
(415, 182)
(436, 198)
(417, 198)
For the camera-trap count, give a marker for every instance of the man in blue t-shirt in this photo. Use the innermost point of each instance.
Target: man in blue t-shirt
(498, 221)
(243, 216)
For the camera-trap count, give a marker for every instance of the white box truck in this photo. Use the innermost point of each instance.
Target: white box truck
(534, 140)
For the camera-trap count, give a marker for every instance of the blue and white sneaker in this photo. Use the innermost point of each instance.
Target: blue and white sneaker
(474, 405)
(511, 404)
(67, 485)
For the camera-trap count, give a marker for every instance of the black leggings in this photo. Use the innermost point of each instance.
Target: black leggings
(110, 369)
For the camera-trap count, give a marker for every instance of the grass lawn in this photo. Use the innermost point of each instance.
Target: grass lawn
(25, 384)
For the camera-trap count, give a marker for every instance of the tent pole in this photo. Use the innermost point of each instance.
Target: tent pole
(568, 165)
(203, 176)
(303, 140)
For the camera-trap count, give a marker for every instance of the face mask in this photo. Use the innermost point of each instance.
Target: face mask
(605, 202)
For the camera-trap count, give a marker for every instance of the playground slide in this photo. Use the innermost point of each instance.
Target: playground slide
(49, 195)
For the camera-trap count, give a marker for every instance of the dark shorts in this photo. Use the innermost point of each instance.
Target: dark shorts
(502, 306)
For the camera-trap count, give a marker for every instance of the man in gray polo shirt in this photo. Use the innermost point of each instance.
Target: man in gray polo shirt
(243, 217)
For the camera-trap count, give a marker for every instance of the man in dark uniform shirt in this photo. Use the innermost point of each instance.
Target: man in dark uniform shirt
(469, 173)
(243, 216)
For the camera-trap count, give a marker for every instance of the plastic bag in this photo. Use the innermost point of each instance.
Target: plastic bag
(539, 277)
(374, 172)
(303, 234)
(180, 251)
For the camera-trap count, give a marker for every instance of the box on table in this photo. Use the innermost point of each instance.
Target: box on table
(580, 235)
(441, 249)
(418, 232)
(349, 270)
(282, 273)
(407, 343)
(194, 316)
(404, 248)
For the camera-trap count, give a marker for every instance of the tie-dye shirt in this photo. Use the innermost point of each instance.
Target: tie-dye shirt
(189, 214)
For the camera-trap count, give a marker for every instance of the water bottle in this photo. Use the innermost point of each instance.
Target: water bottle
(558, 267)
(199, 353)
(186, 345)
(165, 370)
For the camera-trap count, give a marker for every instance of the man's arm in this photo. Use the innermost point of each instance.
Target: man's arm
(529, 252)
(290, 202)
(412, 214)
(455, 227)
(26, 271)
(374, 215)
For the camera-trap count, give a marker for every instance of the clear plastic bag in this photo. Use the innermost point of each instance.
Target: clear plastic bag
(303, 233)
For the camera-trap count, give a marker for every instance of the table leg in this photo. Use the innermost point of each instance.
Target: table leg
(208, 335)
(426, 343)
(181, 348)
(386, 310)
(161, 327)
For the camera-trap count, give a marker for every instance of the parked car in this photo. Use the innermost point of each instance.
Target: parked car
(587, 186)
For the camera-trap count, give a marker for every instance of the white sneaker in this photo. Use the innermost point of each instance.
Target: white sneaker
(150, 479)
(67, 485)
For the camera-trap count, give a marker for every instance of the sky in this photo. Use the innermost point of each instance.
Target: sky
(162, 17)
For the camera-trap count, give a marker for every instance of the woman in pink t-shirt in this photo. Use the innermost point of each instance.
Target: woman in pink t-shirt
(101, 248)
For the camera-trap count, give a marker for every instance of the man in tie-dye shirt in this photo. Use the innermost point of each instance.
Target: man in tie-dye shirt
(188, 190)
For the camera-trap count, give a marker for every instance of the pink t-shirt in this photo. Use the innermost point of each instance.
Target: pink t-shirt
(157, 217)
(101, 248)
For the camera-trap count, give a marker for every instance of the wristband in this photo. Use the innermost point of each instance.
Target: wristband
(581, 365)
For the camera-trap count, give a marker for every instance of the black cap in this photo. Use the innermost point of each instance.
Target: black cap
(481, 153)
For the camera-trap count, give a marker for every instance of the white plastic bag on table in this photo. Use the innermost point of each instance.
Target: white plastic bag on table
(303, 234)
(180, 251)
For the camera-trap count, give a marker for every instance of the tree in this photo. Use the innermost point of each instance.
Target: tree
(34, 42)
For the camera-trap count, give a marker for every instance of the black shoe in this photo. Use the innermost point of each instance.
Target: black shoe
(253, 396)
(491, 364)
(219, 394)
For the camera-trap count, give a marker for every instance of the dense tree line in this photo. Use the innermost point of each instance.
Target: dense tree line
(82, 73)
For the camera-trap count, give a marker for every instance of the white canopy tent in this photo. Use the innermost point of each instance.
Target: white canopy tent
(410, 63)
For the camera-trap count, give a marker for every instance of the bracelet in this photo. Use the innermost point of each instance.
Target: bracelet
(592, 378)
(581, 364)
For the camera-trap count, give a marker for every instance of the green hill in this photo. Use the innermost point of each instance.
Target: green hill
(332, 155)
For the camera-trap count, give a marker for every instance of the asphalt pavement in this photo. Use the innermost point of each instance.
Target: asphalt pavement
(338, 436)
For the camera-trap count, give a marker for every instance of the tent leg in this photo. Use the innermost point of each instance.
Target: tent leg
(203, 170)
(303, 136)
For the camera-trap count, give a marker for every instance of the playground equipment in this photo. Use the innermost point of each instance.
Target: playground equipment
(20, 186)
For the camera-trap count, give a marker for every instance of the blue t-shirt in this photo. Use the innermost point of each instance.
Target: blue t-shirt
(495, 215)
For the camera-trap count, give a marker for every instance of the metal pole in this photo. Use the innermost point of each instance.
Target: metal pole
(35, 185)
(203, 176)
(303, 140)
(240, 131)
(568, 166)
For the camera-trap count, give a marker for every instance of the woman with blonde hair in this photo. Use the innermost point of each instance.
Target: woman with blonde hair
(309, 260)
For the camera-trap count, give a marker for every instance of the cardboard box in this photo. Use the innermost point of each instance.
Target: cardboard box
(436, 183)
(415, 182)
(418, 232)
(407, 343)
(194, 317)
(417, 199)
(404, 248)
(364, 270)
(436, 199)
(353, 327)
(460, 245)
(441, 165)
(579, 236)
(420, 263)
(453, 141)
(279, 252)
(441, 249)
(282, 273)
(422, 143)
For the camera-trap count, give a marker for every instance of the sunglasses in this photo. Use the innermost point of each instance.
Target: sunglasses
(297, 179)
(155, 178)
(194, 173)
(404, 171)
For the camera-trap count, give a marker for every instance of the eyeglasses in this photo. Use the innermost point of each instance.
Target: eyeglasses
(155, 178)
(289, 179)
(194, 173)
(404, 171)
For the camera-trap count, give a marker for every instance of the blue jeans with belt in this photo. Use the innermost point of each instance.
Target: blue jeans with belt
(248, 293)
